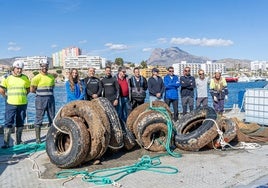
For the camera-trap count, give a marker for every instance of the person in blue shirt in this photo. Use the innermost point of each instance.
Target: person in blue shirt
(75, 88)
(172, 83)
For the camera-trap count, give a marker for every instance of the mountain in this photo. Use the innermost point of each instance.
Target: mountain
(173, 55)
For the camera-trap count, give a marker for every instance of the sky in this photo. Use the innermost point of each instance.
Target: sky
(131, 29)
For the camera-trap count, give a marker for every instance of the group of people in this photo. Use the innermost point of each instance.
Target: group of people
(15, 88)
(125, 93)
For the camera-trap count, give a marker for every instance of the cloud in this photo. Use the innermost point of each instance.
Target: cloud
(116, 46)
(14, 48)
(147, 49)
(201, 42)
(54, 46)
(11, 43)
(82, 41)
(162, 40)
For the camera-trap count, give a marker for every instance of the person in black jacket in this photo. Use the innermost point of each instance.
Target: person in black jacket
(93, 85)
(187, 90)
(110, 87)
(155, 86)
(138, 86)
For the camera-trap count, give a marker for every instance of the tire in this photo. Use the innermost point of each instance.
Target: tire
(154, 137)
(66, 151)
(116, 140)
(128, 137)
(98, 133)
(228, 127)
(194, 130)
(140, 109)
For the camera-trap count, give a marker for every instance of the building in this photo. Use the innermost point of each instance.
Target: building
(256, 66)
(84, 62)
(33, 62)
(148, 71)
(208, 67)
(59, 57)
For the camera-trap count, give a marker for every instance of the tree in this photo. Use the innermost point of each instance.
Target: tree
(143, 64)
(119, 61)
(59, 71)
(132, 65)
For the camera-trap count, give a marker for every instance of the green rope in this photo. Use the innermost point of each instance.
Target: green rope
(164, 112)
(23, 149)
(105, 176)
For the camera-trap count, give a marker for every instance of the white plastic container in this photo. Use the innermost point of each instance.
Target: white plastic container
(256, 106)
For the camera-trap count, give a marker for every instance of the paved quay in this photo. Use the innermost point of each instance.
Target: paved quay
(241, 168)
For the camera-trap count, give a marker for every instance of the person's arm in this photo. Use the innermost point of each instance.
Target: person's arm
(3, 91)
(145, 84)
(83, 92)
(70, 95)
(99, 88)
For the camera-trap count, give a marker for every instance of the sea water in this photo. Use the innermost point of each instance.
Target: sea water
(236, 94)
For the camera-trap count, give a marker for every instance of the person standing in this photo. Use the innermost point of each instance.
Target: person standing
(201, 89)
(123, 107)
(75, 88)
(110, 87)
(138, 86)
(43, 85)
(93, 85)
(15, 88)
(187, 90)
(172, 83)
(219, 91)
(155, 86)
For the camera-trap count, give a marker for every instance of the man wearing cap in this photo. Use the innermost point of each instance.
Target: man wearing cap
(155, 86)
(14, 88)
(43, 85)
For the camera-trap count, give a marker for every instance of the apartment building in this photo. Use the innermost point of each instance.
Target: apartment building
(84, 62)
(32, 62)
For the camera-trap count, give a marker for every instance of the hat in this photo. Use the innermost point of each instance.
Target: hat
(155, 70)
(18, 64)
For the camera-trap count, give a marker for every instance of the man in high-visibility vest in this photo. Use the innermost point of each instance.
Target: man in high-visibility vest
(14, 88)
(43, 85)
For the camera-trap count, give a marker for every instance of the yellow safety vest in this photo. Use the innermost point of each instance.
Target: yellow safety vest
(44, 84)
(16, 89)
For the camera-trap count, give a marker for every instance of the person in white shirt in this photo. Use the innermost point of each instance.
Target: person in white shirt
(201, 89)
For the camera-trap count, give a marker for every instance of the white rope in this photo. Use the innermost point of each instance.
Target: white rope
(147, 147)
(243, 145)
(54, 124)
(114, 147)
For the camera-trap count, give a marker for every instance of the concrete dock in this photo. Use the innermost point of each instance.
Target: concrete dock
(233, 167)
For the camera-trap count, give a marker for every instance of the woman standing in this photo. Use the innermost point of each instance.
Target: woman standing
(75, 88)
(219, 92)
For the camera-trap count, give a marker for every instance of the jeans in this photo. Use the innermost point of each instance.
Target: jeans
(13, 112)
(202, 101)
(123, 108)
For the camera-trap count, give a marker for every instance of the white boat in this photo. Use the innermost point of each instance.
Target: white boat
(243, 78)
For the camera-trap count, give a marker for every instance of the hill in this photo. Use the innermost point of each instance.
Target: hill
(173, 55)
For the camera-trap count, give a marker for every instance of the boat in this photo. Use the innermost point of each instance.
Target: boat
(231, 79)
(243, 78)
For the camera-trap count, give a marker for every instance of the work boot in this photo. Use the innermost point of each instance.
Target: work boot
(18, 135)
(37, 134)
(7, 133)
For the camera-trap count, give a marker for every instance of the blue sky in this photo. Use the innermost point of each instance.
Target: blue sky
(131, 29)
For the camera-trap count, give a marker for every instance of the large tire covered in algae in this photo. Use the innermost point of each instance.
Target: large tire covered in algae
(100, 136)
(140, 109)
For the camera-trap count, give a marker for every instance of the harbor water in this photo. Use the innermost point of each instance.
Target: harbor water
(236, 94)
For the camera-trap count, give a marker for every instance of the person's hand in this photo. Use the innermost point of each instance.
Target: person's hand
(94, 96)
(226, 97)
(158, 95)
(115, 102)
(215, 99)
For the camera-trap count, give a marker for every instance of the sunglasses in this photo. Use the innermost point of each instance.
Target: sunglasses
(171, 71)
(186, 70)
(201, 74)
